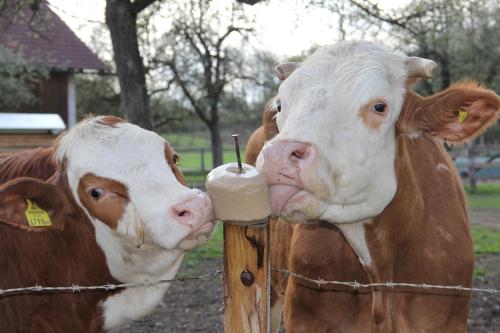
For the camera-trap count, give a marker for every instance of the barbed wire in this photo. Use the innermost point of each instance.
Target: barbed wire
(389, 284)
(75, 288)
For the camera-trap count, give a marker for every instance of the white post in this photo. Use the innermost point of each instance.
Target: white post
(71, 101)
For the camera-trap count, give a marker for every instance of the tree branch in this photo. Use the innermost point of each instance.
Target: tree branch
(139, 5)
(169, 84)
(188, 95)
(375, 13)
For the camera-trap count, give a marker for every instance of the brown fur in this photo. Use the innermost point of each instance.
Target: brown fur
(36, 163)
(423, 236)
(108, 209)
(59, 255)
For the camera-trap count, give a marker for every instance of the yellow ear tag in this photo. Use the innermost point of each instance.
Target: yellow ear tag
(461, 116)
(36, 216)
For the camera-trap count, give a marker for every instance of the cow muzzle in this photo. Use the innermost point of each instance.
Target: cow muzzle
(195, 212)
(287, 166)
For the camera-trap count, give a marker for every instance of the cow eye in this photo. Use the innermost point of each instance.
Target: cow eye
(278, 105)
(379, 107)
(96, 193)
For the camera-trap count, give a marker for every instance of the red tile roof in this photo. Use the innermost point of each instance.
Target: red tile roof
(47, 41)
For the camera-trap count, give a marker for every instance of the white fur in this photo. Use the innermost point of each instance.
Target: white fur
(134, 157)
(320, 104)
(355, 235)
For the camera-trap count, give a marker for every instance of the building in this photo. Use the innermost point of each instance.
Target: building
(41, 36)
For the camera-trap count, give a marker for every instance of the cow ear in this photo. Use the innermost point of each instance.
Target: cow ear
(284, 69)
(33, 204)
(458, 114)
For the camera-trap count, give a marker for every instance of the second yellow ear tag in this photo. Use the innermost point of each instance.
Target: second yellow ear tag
(36, 216)
(461, 116)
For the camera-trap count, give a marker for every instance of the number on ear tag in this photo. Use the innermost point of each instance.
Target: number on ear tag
(36, 216)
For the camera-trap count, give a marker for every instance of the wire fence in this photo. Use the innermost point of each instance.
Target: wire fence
(319, 283)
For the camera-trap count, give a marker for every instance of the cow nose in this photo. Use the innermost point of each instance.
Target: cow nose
(194, 211)
(286, 152)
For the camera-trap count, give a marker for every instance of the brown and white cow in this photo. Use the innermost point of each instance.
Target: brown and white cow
(119, 214)
(359, 160)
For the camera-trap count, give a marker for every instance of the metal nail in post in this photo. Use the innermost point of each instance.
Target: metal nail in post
(237, 148)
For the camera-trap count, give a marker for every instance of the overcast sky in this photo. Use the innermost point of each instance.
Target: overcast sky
(284, 27)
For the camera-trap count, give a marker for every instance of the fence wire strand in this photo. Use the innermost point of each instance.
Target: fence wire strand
(389, 284)
(75, 288)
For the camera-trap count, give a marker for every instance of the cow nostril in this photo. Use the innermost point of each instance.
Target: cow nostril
(182, 213)
(298, 154)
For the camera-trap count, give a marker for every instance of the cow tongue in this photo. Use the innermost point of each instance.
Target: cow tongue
(279, 195)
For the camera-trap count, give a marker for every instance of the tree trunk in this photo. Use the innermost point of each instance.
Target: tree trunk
(121, 21)
(445, 72)
(216, 144)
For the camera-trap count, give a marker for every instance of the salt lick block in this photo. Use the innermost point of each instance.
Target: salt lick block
(239, 198)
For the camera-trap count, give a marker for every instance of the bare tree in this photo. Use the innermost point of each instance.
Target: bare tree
(121, 19)
(462, 36)
(202, 62)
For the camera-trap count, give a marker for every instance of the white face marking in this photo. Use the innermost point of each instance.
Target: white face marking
(134, 157)
(442, 167)
(320, 105)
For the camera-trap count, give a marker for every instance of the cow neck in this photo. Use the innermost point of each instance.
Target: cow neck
(133, 264)
(390, 237)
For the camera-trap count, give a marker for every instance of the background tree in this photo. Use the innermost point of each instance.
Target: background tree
(18, 79)
(121, 19)
(462, 36)
(201, 61)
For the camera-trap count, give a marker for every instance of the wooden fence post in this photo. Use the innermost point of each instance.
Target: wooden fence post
(202, 160)
(246, 278)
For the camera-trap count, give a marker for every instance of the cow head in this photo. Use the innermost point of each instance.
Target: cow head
(124, 179)
(127, 181)
(338, 112)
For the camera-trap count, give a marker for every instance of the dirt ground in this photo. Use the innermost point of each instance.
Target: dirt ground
(196, 306)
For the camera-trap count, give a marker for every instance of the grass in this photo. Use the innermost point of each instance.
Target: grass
(191, 161)
(486, 240)
(213, 249)
(487, 197)
(183, 140)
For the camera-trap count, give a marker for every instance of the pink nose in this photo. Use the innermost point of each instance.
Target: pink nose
(282, 161)
(194, 211)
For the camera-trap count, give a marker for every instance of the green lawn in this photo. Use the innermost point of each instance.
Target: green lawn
(487, 196)
(486, 240)
(211, 250)
(183, 140)
(190, 161)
